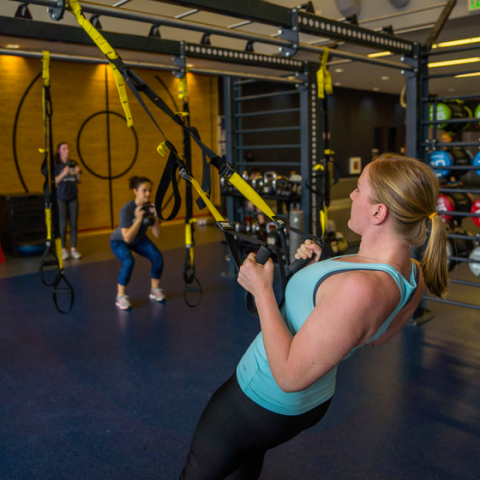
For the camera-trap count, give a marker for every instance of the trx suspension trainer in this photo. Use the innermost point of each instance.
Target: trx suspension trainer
(123, 75)
(52, 255)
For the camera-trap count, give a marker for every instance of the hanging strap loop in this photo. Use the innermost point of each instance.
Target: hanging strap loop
(53, 246)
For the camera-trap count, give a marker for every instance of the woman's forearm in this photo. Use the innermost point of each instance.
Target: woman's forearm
(156, 228)
(60, 177)
(130, 233)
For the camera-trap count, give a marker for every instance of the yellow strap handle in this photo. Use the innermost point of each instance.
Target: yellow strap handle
(162, 149)
(324, 79)
(58, 249)
(323, 220)
(46, 119)
(108, 51)
(46, 84)
(189, 232)
(189, 239)
(48, 222)
(46, 68)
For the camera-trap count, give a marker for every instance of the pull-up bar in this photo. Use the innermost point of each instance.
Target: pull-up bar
(152, 66)
(281, 43)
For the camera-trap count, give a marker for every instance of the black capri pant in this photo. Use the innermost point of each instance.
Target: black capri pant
(234, 433)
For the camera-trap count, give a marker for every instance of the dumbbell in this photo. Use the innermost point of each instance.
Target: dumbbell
(257, 183)
(456, 156)
(283, 187)
(268, 183)
(454, 202)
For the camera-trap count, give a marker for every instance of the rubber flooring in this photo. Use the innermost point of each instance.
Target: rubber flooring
(100, 394)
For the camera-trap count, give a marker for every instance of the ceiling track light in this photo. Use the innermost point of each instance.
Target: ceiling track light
(456, 43)
(448, 63)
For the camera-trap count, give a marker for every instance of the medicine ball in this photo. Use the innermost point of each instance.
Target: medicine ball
(454, 202)
(476, 162)
(451, 111)
(475, 208)
(474, 264)
(455, 156)
(441, 158)
(462, 158)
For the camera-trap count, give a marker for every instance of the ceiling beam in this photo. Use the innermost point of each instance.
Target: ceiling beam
(56, 32)
(294, 18)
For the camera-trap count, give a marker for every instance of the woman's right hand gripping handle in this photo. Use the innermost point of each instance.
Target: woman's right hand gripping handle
(307, 253)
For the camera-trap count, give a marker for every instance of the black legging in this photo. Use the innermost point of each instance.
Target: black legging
(234, 433)
(68, 210)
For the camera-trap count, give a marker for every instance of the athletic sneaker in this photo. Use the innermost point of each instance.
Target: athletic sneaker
(65, 254)
(157, 295)
(75, 254)
(122, 302)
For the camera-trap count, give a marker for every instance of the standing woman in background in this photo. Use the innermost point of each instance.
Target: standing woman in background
(67, 175)
(136, 217)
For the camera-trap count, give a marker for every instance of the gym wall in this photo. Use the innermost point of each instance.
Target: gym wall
(359, 122)
(106, 149)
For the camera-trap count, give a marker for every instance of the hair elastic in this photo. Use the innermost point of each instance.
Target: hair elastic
(432, 215)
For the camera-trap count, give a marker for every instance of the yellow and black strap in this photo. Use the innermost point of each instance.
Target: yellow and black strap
(137, 85)
(52, 255)
(174, 163)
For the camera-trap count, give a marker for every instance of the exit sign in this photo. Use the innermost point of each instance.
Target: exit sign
(473, 5)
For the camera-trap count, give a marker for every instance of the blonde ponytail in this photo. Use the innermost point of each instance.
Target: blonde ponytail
(409, 188)
(434, 260)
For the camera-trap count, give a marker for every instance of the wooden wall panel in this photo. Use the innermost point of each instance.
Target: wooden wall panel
(87, 114)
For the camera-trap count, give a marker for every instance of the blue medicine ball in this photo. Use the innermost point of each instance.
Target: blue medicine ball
(476, 162)
(441, 158)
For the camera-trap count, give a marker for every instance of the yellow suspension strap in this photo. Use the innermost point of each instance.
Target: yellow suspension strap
(137, 85)
(324, 87)
(265, 251)
(322, 211)
(324, 79)
(52, 255)
(108, 51)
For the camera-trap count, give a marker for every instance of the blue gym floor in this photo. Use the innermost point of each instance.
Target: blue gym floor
(104, 394)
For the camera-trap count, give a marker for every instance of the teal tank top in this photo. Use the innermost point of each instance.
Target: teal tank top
(253, 371)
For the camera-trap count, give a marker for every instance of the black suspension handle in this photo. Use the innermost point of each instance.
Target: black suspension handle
(263, 255)
(66, 290)
(297, 265)
(49, 251)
